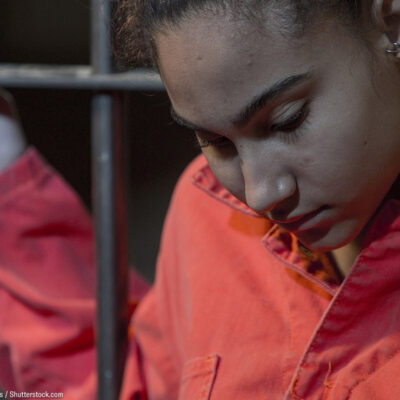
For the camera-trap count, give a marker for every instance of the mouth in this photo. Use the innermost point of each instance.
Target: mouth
(301, 222)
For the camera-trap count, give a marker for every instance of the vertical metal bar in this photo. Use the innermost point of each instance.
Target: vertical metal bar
(101, 36)
(109, 212)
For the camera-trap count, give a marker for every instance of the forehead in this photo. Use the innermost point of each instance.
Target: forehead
(213, 65)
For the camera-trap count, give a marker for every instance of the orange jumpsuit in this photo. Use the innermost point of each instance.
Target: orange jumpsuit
(239, 309)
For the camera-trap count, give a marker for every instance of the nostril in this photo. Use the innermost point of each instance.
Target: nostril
(281, 208)
(266, 210)
(285, 208)
(279, 215)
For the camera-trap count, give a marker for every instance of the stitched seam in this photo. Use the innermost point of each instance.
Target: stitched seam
(226, 202)
(327, 383)
(334, 305)
(285, 362)
(205, 387)
(206, 380)
(196, 373)
(309, 348)
(293, 389)
(200, 364)
(300, 271)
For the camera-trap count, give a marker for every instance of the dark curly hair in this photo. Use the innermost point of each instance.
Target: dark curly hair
(136, 21)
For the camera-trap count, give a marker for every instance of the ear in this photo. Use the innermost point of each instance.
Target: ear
(386, 15)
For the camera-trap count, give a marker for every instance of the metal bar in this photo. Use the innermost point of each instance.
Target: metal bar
(109, 209)
(101, 59)
(76, 77)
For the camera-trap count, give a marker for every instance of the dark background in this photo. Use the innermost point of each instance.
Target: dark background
(57, 122)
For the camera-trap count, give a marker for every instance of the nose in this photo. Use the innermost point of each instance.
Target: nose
(267, 182)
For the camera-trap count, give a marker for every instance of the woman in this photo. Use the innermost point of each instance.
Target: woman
(278, 279)
(288, 287)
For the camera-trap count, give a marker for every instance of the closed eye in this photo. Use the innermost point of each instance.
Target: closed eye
(292, 123)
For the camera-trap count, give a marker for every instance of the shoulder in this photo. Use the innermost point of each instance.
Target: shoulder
(189, 196)
(198, 185)
(201, 209)
(185, 185)
(193, 210)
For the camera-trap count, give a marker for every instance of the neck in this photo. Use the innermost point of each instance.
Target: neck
(345, 256)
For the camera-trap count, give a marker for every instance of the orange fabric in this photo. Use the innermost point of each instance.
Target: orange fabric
(47, 284)
(275, 316)
(238, 311)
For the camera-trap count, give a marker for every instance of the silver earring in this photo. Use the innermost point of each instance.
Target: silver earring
(394, 51)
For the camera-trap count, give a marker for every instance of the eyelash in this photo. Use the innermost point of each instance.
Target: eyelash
(289, 130)
(220, 141)
(293, 126)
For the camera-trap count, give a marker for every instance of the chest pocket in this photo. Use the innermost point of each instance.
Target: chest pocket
(198, 378)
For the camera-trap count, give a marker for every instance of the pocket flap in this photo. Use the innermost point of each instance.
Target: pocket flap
(198, 378)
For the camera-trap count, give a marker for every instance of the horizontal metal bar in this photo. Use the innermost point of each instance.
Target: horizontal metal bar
(76, 77)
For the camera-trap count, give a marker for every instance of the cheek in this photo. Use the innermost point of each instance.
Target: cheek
(333, 153)
(352, 142)
(351, 170)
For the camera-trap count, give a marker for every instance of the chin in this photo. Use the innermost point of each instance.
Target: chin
(323, 240)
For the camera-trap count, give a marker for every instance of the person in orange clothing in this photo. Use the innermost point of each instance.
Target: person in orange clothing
(278, 272)
(279, 278)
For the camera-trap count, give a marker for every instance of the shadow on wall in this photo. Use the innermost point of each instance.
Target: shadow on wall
(57, 122)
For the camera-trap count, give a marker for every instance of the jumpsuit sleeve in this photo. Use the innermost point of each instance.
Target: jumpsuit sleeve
(47, 286)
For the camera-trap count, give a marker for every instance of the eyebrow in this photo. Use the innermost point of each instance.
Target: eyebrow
(268, 95)
(255, 105)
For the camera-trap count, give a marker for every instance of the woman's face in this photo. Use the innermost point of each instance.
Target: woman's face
(305, 132)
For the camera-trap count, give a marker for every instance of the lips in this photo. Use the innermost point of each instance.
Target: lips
(300, 222)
